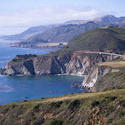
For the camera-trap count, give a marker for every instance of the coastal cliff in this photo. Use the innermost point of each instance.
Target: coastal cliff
(97, 72)
(102, 71)
(77, 63)
(80, 57)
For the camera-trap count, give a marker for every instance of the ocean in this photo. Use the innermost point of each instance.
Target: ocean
(14, 89)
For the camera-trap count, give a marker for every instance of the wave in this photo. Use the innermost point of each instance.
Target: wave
(2, 75)
(5, 88)
(71, 74)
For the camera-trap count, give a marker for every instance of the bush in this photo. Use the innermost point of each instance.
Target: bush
(55, 122)
(95, 103)
(74, 104)
(56, 104)
(122, 102)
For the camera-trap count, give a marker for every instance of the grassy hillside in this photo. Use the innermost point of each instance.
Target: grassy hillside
(112, 80)
(78, 109)
(113, 64)
(100, 39)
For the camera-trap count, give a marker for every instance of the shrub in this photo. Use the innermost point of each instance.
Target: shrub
(55, 122)
(95, 103)
(74, 104)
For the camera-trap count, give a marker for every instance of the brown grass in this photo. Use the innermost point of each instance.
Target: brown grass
(113, 64)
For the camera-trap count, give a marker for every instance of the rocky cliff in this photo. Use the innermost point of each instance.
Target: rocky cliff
(78, 63)
(94, 75)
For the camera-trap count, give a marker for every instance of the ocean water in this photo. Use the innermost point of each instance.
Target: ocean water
(13, 89)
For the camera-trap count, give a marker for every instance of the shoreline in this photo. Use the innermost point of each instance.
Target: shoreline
(41, 45)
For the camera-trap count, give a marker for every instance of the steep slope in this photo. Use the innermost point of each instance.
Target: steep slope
(104, 108)
(103, 39)
(71, 29)
(63, 33)
(73, 59)
(50, 32)
(78, 63)
(112, 80)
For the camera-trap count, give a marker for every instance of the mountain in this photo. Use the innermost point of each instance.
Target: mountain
(72, 59)
(64, 32)
(103, 39)
(58, 34)
(76, 22)
(71, 29)
(28, 33)
(110, 19)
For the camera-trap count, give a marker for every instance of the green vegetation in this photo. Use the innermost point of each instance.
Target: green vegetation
(103, 39)
(76, 109)
(112, 80)
(54, 122)
(113, 64)
(100, 39)
(20, 58)
(104, 107)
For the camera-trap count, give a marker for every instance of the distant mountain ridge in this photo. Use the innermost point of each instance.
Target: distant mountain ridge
(28, 33)
(65, 32)
(108, 19)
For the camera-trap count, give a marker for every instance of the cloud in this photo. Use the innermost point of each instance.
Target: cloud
(13, 22)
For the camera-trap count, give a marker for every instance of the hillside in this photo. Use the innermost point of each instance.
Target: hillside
(77, 109)
(71, 29)
(73, 59)
(28, 33)
(64, 32)
(104, 105)
(102, 39)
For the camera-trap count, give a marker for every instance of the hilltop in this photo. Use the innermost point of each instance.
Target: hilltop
(102, 39)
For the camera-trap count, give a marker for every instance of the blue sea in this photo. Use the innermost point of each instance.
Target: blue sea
(13, 89)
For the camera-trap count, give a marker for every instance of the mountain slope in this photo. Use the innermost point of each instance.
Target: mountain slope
(71, 29)
(102, 39)
(63, 33)
(28, 33)
(103, 108)
(108, 19)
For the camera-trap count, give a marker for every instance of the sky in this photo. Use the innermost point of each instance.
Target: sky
(18, 15)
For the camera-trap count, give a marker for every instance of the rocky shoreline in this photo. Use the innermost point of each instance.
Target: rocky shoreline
(77, 63)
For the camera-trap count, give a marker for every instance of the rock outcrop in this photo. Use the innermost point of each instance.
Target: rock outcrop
(77, 63)
(93, 76)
